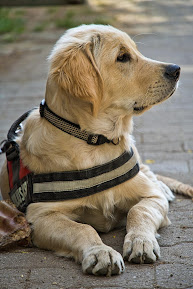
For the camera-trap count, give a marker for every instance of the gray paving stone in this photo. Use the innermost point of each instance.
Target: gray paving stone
(13, 278)
(188, 145)
(181, 204)
(159, 156)
(20, 59)
(166, 147)
(134, 277)
(25, 90)
(115, 239)
(191, 164)
(180, 219)
(174, 235)
(170, 276)
(161, 138)
(25, 258)
(180, 231)
(180, 254)
(167, 166)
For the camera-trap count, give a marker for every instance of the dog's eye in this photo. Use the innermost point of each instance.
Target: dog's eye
(124, 57)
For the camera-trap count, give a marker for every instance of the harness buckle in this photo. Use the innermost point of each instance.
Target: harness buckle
(12, 151)
(4, 145)
(97, 140)
(11, 148)
(92, 139)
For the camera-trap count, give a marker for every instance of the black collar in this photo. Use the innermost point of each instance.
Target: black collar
(72, 128)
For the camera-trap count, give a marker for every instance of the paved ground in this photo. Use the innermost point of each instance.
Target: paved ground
(164, 137)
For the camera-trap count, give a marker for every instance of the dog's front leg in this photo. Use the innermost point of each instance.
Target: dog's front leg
(143, 221)
(54, 231)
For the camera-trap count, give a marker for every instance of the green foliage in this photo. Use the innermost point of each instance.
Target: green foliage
(100, 20)
(10, 23)
(40, 27)
(52, 10)
(72, 19)
(19, 12)
(68, 21)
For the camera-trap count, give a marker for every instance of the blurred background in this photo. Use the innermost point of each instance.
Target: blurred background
(162, 29)
(26, 19)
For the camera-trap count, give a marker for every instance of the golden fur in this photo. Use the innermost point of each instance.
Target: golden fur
(89, 86)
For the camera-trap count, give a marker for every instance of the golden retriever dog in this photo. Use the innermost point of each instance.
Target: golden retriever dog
(98, 80)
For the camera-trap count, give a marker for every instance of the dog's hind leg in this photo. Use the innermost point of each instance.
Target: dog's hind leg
(166, 190)
(176, 186)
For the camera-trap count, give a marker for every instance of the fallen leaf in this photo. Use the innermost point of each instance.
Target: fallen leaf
(149, 161)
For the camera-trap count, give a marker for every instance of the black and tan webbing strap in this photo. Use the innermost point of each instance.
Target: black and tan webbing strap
(78, 184)
(69, 127)
(70, 185)
(9, 146)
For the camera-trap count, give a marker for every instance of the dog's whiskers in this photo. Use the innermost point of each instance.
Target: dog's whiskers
(140, 34)
(140, 43)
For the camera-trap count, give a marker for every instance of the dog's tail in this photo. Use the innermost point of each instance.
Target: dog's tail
(176, 186)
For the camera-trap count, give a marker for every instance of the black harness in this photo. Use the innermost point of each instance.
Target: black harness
(27, 187)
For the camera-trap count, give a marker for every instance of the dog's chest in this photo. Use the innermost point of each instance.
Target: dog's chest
(107, 211)
(100, 221)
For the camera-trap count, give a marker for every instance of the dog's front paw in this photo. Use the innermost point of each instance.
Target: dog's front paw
(102, 260)
(140, 248)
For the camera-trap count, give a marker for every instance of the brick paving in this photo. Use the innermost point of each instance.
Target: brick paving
(164, 137)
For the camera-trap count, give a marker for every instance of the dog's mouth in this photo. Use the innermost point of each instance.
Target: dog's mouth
(141, 109)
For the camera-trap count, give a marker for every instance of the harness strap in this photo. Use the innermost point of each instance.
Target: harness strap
(68, 185)
(27, 187)
(9, 146)
(16, 126)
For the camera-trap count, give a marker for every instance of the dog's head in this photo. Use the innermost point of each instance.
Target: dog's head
(102, 67)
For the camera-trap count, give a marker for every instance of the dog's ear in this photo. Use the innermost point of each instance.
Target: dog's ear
(77, 73)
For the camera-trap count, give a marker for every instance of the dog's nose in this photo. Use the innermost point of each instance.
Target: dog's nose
(172, 72)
